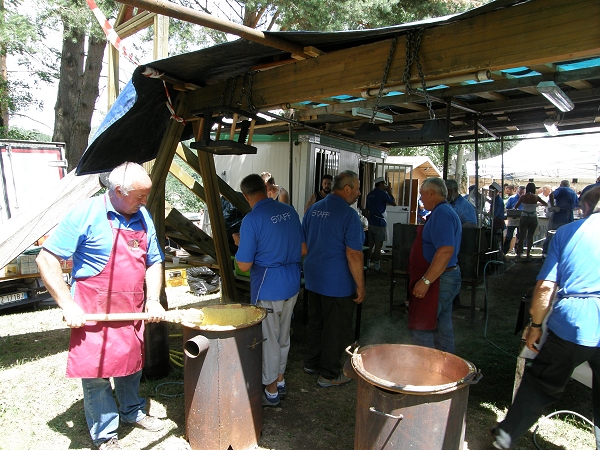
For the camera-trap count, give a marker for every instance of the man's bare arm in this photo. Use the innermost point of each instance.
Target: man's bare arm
(356, 265)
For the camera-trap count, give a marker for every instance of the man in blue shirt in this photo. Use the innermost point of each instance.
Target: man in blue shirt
(571, 272)
(270, 246)
(464, 209)
(115, 255)
(564, 198)
(510, 230)
(377, 202)
(434, 263)
(333, 272)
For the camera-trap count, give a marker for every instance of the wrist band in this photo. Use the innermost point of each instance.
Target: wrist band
(535, 325)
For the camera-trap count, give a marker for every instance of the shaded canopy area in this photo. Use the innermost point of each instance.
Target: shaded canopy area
(481, 69)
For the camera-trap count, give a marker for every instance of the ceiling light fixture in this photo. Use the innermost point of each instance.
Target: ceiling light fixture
(551, 126)
(552, 92)
(370, 114)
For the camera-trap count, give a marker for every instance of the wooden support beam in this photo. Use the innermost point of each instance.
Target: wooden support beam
(217, 222)
(138, 22)
(191, 232)
(166, 151)
(188, 181)
(171, 9)
(554, 30)
(239, 202)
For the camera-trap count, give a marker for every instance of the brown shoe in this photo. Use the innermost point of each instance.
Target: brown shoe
(111, 444)
(149, 423)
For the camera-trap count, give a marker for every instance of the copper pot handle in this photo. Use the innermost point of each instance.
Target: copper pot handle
(398, 417)
(472, 378)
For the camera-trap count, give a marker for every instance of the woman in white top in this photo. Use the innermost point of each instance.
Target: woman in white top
(529, 220)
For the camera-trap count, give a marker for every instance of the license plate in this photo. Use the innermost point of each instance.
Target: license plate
(10, 298)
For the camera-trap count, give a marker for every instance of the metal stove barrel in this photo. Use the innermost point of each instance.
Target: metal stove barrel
(223, 387)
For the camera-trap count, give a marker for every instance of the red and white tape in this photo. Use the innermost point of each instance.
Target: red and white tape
(115, 40)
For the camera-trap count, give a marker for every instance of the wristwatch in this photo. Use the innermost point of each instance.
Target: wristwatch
(534, 325)
(426, 281)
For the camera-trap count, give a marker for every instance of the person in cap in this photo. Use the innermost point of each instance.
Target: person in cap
(377, 201)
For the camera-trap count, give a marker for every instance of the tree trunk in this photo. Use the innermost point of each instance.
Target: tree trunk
(77, 92)
(87, 101)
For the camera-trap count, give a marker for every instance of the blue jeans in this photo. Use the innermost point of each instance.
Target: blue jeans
(443, 337)
(101, 412)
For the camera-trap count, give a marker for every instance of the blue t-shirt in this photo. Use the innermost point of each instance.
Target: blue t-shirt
(498, 207)
(512, 201)
(443, 228)
(330, 226)
(86, 234)
(572, 263)
(566, 199)
(588, 187)
(464, 210)
(377, 201)
(271, 239)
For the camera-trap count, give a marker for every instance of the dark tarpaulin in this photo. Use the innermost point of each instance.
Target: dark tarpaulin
(133, 128)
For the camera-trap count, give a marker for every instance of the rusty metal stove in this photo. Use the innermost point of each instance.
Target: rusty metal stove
(222, 382)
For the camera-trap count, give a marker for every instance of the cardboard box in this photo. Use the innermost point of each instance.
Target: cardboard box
(175, 277)
(10, 270)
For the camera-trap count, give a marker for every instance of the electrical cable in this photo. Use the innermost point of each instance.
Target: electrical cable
(588, 421)
(168, 383)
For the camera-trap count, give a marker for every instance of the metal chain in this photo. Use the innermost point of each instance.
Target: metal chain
(246, 92)
(416, 46)
(234, 80)
(385, 76)
(413, 43)
(251, 107)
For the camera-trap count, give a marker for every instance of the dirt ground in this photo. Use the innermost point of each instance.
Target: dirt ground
(310, 417)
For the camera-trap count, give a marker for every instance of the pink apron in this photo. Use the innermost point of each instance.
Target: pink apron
(422, 312)
(111, 349)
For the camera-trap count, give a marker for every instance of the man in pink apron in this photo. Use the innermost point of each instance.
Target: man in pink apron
(434, 273)
(115, 252)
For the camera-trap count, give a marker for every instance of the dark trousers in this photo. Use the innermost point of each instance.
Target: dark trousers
(329, 332)
(544, 383)
(510, 231)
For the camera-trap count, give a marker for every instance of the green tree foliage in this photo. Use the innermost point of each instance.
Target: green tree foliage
(178, 195)
(19, 38)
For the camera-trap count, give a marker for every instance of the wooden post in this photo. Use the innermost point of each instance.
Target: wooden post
(156, 335)
(210, 179)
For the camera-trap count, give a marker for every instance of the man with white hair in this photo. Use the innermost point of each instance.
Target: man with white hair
(116, 269)
(434, 273)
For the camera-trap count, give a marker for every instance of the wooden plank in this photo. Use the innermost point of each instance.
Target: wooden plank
(188, 181)
(20, 232)
(554, 30)
(217, 222)
(190, 231)
(138, 22)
